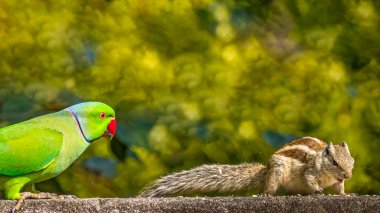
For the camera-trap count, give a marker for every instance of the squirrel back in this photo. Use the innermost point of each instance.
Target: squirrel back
(209, 178)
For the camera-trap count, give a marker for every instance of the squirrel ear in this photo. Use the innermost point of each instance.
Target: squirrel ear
(328, 149)
(345, 146)
(325, 152)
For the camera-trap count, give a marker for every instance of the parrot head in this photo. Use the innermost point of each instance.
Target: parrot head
(94, 119)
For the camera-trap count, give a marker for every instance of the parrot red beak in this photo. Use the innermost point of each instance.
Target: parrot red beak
(111, 129)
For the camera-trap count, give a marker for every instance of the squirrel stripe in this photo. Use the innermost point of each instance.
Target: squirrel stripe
(313, 143)
(297, 154)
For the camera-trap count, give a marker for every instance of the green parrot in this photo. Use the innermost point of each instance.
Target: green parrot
(41, 148)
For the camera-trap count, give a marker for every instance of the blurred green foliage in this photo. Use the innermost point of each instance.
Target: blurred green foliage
(196, 81)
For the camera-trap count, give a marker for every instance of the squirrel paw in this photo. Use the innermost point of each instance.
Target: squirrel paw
(350, 194)
(318, 191)
(265, 195)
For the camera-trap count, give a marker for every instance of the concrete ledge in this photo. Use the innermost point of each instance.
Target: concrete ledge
(203, 204)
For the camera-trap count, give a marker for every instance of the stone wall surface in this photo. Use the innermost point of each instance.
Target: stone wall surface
(203, 204)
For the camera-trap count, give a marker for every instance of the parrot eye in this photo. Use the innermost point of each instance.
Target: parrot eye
(102, 115)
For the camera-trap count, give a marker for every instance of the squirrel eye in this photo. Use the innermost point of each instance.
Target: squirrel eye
(335, 163)
(102, 115)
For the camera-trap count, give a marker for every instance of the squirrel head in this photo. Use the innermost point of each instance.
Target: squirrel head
(337, 161)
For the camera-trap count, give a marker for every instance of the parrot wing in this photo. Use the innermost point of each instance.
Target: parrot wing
(25, 149)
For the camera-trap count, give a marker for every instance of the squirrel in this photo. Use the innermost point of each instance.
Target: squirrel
(304, 166)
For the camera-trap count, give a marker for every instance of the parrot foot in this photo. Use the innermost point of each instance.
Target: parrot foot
(29, 195)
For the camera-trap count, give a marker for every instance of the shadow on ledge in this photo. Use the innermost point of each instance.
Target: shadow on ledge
(203, 204)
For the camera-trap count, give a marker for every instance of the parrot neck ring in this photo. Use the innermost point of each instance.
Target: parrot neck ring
(78, 124)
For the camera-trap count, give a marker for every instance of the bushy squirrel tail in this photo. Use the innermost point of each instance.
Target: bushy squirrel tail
(209, 178)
